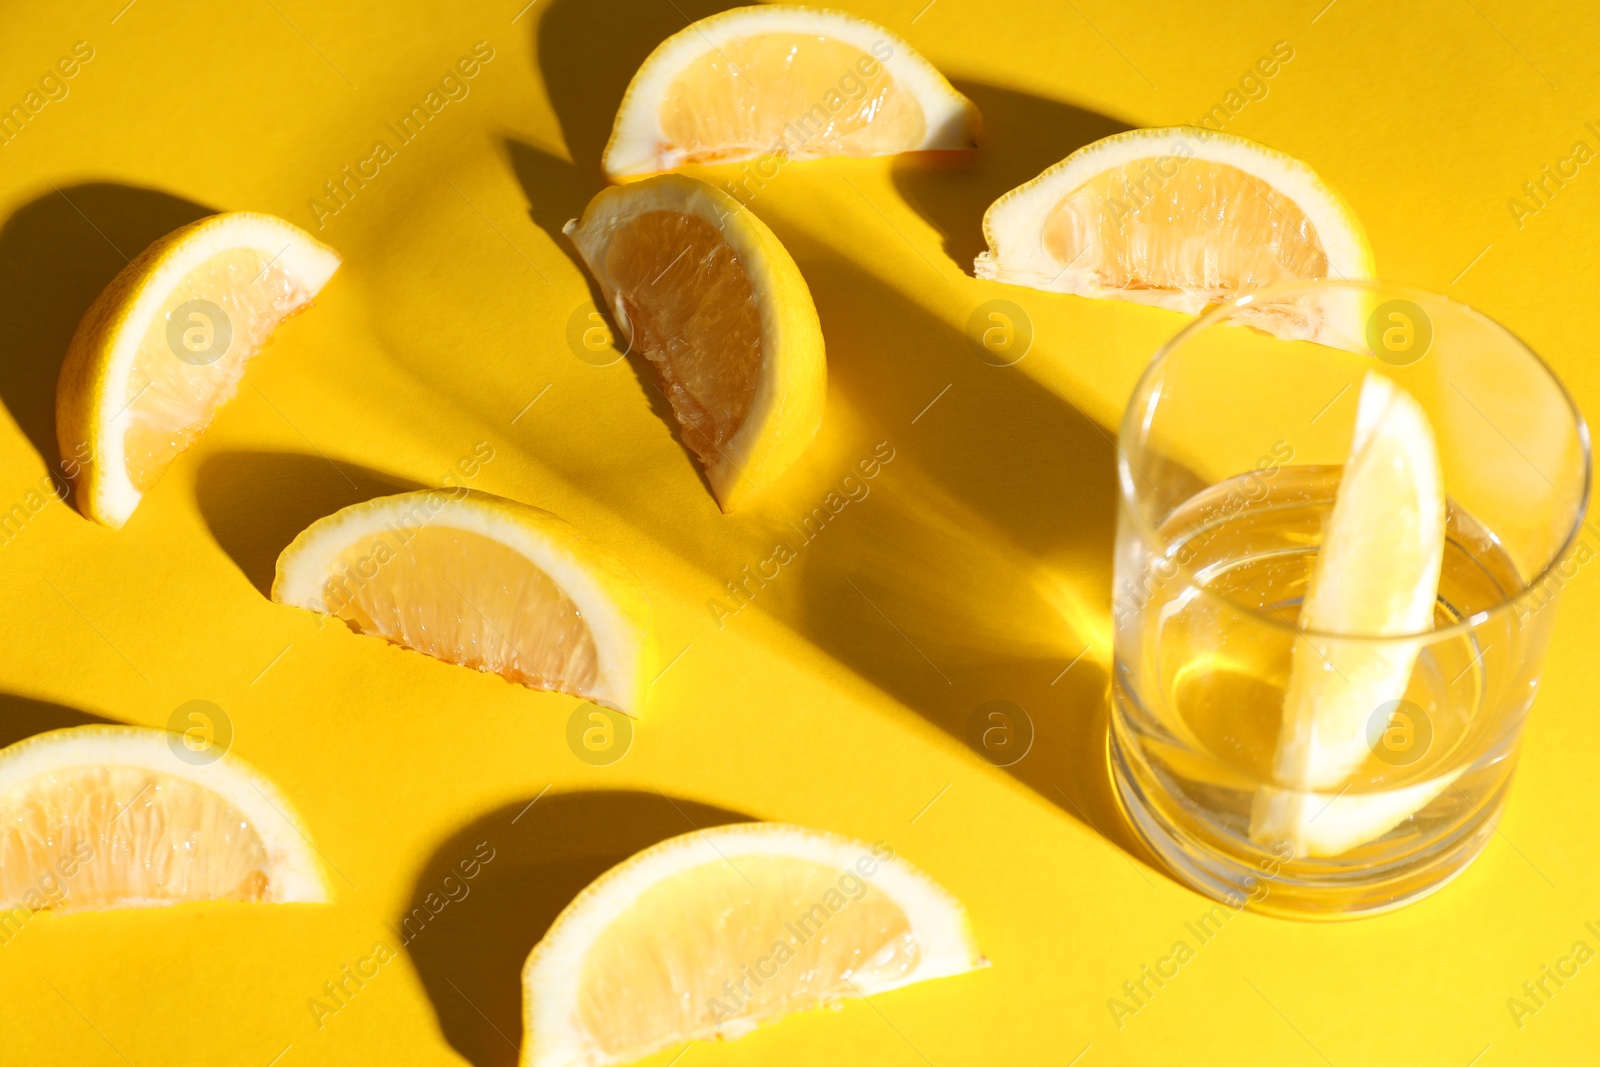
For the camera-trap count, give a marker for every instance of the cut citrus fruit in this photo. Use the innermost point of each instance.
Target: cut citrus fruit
(710, 934)
(1333, 823)
(166, 343)
(794, 82)
(1180, 218)
(703, 290)
(114, 817)
(477, 580)
(1375, 581)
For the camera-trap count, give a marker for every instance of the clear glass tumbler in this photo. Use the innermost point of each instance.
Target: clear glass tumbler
(1231, 455)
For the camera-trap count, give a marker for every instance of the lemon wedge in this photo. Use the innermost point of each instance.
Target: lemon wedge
(1320, 825)
(473, 579)
(95, 817)
(710, 934)
(1181, 218)
(795, 82)
(166, 343)
(1376, 576)
(706, 293)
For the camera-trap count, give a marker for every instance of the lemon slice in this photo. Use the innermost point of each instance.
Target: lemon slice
(1376, 576)
(98, 817)
(710, 934)
(166, 343)
(704, 291)
(1331, 824)
(477, 580)
(795, 82)
(1181, 218)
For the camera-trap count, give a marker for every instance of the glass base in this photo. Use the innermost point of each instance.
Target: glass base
(1279, 889)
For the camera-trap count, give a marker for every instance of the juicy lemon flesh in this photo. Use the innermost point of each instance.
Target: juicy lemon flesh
(84, 838)
(806, 93)
(1377, 573)
(465, 598)
(173, 396)
(782, 933)
(1368, 581)
(694, 316)
(1210, 228)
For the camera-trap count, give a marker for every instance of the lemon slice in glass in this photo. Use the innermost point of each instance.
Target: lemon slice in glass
(1376, 577)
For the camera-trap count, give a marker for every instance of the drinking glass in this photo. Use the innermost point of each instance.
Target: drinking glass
(1231, 455)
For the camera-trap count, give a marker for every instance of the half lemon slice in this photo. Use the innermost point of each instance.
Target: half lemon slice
(710, 934)
(96, 817)
(165, 344)
(1377, 576)
(703, 290)
(1181, 218)
(481, 581)
(795, 82)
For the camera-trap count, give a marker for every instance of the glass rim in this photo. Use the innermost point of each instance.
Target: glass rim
(1132, 417)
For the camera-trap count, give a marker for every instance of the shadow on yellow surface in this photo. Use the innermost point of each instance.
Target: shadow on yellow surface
(1023, 134)
(53, 263)
(256, 502)
(22, 717)
(588, 51)
(489, 893)
(957, 580)
(961, 579)
(558, 192)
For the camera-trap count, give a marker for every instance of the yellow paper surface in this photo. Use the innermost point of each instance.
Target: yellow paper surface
(975, 568)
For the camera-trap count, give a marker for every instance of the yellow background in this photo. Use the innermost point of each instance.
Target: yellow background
(978, 567)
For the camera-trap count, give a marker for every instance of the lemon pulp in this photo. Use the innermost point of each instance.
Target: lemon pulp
(173, 397)
(1209, 228)
(806, 92)
(1377, 573)
(468, 599)
(126, 834)
(694, 316)
(658, 970)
